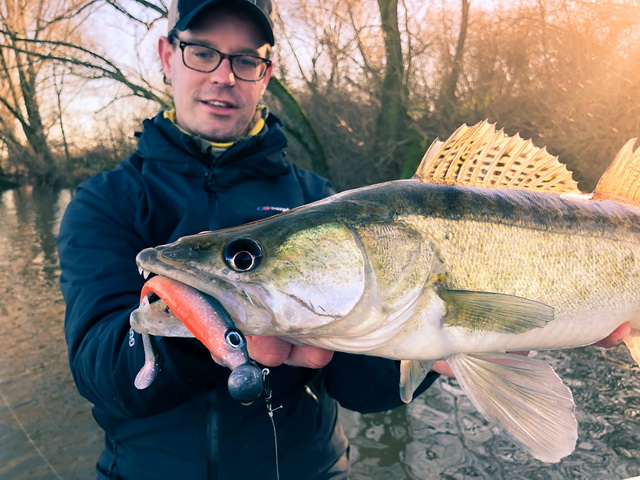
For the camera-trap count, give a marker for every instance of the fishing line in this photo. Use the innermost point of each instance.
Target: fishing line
(270, 410)
(26, 434)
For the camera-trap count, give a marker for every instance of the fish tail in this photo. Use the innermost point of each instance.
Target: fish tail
(633, 342)
(621, 181)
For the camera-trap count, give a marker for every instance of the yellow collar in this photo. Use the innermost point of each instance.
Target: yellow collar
(258, 124)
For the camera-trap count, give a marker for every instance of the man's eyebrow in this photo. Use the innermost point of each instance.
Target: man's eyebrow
(205, 43)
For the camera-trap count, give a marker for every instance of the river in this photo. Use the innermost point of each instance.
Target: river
(47, 432)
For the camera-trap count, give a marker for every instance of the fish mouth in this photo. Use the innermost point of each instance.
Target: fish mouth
(234, 299)
(150, 261)
(196, 315)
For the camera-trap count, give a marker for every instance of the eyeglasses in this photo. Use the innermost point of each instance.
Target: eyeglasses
(249, 68)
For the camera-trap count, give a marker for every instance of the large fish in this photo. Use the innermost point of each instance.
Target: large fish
(490, 248)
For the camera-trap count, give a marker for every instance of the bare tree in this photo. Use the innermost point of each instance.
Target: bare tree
(565, 73)
(21, 75)
(447, 97)
(352, 56)
(392, 118)
(379, 79)
(37, 39)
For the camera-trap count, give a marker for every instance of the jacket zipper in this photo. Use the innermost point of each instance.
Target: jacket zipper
(212, 435)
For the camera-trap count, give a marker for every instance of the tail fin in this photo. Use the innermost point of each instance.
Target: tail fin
(633, 342)
(621, 181)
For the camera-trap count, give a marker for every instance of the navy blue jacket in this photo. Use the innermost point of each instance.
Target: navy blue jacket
(171, 187)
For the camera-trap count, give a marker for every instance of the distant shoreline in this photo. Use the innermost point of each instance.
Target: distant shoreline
(5, 183)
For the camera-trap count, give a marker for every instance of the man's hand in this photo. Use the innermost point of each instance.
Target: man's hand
(442, 368)
(273, 351)
(615, 337)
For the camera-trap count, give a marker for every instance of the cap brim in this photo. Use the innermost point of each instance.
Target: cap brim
(252, 10)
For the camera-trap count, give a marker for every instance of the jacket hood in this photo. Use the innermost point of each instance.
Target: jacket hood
(259, 156)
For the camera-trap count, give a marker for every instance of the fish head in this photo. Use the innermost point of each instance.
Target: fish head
(286, 275)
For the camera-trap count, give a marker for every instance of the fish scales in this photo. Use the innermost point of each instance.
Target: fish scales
(527, 209)
(585, 263)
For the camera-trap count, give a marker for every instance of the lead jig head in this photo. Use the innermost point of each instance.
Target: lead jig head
(246, 383)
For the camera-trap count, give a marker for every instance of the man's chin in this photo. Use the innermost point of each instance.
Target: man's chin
(220, 135)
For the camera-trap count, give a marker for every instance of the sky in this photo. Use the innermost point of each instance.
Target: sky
(133, 47)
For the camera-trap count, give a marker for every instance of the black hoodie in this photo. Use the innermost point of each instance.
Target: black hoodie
(185, 425)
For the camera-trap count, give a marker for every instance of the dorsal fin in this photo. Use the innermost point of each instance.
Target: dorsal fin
(483, 157)
(621, 181)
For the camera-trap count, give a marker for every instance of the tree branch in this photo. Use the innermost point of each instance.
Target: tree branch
(109, 69)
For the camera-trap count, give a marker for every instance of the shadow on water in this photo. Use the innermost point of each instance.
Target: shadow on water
(46, 429)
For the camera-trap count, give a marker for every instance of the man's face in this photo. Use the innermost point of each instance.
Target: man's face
(217, 105)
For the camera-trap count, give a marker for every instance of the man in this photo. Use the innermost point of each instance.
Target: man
(215, 161)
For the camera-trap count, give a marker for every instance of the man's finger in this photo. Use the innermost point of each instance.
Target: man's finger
(442, 368)
(615, 337)
(273, 351)
(268, 351)
(309, 357)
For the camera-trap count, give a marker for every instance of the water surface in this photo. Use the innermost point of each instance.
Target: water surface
(46, 428)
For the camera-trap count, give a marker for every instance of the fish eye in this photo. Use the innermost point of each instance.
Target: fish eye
(242, 254)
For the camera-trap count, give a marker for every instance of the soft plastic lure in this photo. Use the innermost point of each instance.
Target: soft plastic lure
(202, 316)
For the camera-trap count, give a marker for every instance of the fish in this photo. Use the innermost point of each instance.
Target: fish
(490, 248)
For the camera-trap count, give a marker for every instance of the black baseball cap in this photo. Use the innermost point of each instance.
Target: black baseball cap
(183, 12)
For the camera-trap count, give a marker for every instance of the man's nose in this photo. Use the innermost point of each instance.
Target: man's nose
(223, 74)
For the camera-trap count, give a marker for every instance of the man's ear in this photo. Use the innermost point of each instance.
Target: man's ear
(266, 78)
(166, 51)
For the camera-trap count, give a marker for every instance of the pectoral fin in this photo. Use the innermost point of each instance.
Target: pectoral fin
(525, 397)
(494, 312)
(412, 373)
